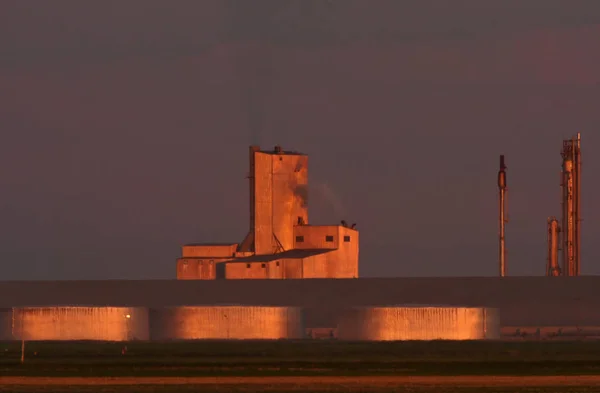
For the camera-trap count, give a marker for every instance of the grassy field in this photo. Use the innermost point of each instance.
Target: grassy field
(238, 389)
(266, 388)
(317, 359)
(278, 358)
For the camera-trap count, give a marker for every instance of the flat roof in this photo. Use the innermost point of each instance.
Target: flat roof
(283, 152)
(279, 150)
(329, 225)
(210, 244)
(290, 254)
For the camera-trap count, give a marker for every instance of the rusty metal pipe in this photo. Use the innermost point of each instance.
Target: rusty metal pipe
(502, 217)
(552, 266)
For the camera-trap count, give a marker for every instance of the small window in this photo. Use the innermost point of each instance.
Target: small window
(299, 239)
(263, 265)
(328, 238)
(276, 263)
(346, 238)
(248, 266)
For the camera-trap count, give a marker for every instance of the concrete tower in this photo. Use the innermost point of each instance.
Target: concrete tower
(278, 199)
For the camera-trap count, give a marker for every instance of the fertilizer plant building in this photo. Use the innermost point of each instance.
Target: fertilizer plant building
(280, 242)
(288, 278)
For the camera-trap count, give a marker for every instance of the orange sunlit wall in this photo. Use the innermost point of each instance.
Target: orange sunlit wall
(199, 260)
(80, 323)
(280, 199)
(290, 178)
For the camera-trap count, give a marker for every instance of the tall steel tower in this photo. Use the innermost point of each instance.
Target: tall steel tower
(571, 206)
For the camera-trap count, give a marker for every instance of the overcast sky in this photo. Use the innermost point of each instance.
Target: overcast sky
(125, 127)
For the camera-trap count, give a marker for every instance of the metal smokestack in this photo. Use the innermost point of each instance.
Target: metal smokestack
(552, 267)
(502, 216)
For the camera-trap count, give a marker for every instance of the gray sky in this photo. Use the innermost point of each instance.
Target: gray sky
(125, 127)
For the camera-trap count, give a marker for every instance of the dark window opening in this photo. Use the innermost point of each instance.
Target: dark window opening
(346, 238)
(276, 263)
(248, 266)
(299, 239)
(263, 265)
(328, 238)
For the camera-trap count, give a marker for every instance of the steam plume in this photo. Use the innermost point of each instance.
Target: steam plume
(327, 193)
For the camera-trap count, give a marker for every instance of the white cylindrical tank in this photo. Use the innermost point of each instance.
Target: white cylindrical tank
(227, 323)
(80, 323)
(418, 323)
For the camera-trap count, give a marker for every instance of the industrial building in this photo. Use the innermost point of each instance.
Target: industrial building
(418, 323)
(280, 243)
(238, 291)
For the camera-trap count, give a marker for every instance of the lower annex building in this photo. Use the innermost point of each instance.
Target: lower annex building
(280, 243)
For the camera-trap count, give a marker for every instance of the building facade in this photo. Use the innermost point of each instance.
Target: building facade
(280, 242)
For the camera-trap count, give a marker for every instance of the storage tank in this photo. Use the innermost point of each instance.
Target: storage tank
(6, 324)
(80, 323)
(227, 323)
(418, 323)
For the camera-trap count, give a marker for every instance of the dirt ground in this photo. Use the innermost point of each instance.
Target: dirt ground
(377, 381)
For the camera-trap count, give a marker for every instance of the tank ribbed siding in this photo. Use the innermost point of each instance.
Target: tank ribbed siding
(419, 323)
(133, 323)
